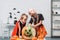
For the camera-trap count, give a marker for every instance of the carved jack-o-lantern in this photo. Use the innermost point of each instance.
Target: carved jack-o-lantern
(28, 32)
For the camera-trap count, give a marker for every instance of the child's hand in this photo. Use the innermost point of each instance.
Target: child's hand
(32, 25)
(20, 36)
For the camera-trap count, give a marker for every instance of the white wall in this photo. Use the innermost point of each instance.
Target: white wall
(41, 6)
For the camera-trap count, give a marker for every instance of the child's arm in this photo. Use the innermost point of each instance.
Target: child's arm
(36, 25)
(15, 29)
(19, 30)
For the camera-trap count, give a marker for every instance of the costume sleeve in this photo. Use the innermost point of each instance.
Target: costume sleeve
(15, 29)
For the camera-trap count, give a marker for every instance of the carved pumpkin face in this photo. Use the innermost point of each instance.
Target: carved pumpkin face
(28, 33)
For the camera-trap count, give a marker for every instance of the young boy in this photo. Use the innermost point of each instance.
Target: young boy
(19, 25)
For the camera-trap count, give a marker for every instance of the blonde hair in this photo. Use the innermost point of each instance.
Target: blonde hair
(23, 15)
(32, 10)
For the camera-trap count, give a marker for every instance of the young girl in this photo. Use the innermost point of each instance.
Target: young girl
(36, 20)
(19, 26)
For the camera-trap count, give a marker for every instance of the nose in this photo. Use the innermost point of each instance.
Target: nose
(27, 32)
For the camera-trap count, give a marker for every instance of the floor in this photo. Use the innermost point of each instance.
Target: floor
(46, 38)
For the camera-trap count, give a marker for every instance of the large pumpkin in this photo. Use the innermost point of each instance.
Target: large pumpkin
(28, 32)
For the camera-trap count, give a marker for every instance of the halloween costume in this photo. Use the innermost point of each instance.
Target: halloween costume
(40, 30)
(16, 28)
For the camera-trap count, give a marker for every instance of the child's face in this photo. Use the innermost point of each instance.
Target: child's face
(24, 19)
(32, 12)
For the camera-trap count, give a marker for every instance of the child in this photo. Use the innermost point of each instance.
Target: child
(36, 20)
(19, 26)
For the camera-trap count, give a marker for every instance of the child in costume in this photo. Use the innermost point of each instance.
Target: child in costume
(17, 32)
(36, 20)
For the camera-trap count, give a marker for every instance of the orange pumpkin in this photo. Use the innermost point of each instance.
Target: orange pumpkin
(34, 38)
(28, 34)
(15, 37)
(18, 39)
